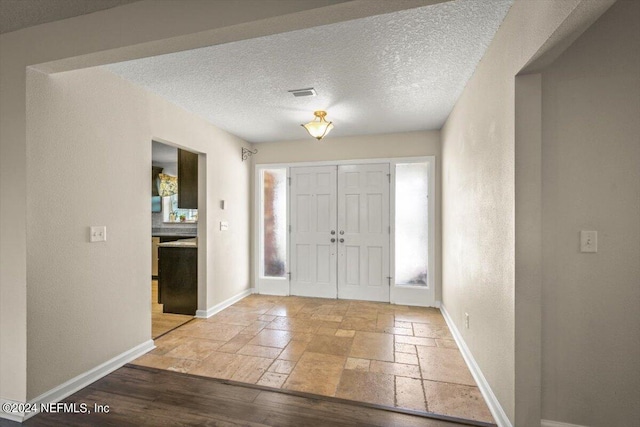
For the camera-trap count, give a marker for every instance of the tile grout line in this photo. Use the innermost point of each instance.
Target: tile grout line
(395, 377)
(424, 392)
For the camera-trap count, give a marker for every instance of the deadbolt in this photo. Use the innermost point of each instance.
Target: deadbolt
(341, 231)
(333, 232)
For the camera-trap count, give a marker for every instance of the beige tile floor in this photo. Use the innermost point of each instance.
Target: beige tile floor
(370, 352)
(161, 323)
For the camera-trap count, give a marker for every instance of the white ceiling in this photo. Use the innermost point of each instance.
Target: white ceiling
(397, 72)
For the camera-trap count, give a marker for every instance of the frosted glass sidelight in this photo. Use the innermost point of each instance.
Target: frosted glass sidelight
(274, 222)
(412, 224)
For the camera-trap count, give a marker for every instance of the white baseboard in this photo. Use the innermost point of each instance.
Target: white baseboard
(549, 423)
(204, 314)
(12, 416)
(278, 288)
(74, 384)
(494, 405)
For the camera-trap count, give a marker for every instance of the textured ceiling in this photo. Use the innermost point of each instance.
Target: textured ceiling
(397, 72)
(17, 14)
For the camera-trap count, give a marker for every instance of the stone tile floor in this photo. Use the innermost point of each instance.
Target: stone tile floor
(365, 351)
(161, 323)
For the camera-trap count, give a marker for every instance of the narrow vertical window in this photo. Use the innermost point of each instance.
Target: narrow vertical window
(274, 222)
(412, 224)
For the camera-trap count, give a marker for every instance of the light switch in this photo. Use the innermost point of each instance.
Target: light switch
(98, 233)
(222, 205)
(588, 241)
(224, 225)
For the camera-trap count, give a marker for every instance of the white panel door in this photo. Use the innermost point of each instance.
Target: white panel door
(363, 232)
(313, 217)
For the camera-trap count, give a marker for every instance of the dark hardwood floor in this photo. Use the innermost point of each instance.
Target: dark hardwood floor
(139, 396)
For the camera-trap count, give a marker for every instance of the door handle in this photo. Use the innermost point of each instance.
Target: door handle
(333, 240)
(341, 240)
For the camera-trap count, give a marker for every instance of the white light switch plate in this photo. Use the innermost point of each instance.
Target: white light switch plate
(588, 241)
(98, 233)
(224, 225)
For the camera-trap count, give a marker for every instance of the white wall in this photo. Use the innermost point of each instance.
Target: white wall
(406, 144)
(528, 248)
(307, 149)
(478, 207)
(13, 229)
(89, 156)
(591, 181)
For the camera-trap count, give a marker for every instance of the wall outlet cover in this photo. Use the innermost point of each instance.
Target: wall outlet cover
(98, 233)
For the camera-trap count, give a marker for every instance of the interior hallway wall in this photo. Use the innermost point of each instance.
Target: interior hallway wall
(89, 162)
(478, 205)
(591, 181)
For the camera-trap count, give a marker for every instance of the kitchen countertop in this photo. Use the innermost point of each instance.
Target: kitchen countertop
(165, 234)
(173, 231)
(182, 243)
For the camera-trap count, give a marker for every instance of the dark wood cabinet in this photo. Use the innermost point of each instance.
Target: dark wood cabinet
(187, 180)
(156, 256)
(178, 279)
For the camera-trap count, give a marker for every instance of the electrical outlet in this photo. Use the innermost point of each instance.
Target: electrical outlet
(466, 320)
(98, 233)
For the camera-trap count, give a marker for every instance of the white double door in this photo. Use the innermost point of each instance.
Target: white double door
(339, 235)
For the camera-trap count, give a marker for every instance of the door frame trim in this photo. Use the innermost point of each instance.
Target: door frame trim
(398, 294)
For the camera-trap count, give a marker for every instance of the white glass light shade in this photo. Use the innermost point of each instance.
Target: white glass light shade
(319, 127)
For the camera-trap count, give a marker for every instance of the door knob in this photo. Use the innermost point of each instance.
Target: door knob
(333, 240)
(333, 232)
(341, 240)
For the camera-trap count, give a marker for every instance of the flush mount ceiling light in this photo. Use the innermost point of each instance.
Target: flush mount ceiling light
(318, 127)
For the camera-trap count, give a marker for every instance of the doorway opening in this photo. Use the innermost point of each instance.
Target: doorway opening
(174, 257)
(360, 230)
